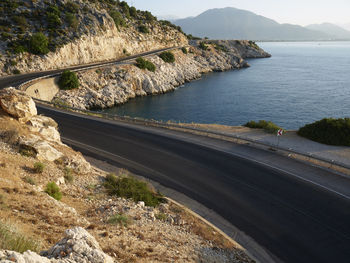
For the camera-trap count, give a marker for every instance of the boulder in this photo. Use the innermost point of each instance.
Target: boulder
(78, 163)
(17, 104)
(77, 246)
(46, 126)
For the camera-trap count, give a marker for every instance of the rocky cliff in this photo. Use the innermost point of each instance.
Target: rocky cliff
(76, 32)
(117, 84)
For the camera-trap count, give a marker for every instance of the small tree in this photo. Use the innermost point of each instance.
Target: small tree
(68, 80)
(143, 29)
(118, 18)
(38, 44)
(167, 57)
(133, 11)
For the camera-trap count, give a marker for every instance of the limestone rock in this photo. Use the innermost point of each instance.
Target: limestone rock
(17, 104)
(78, 246)
(46, 126)
(77, 162)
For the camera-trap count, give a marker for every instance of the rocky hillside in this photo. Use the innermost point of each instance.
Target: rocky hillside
(115, 85)
(48, 34)
(102, 226)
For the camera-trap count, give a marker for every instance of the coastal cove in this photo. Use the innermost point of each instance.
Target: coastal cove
(301, 82)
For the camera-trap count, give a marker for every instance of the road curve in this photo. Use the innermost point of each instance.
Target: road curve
(294, 220)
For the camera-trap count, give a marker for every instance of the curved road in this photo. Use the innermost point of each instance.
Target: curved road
(296, 221)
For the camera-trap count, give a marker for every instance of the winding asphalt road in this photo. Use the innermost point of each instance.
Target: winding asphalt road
(294, 220)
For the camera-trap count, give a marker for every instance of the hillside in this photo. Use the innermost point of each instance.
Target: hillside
(232, 23)
(48, 34)
(335, 31)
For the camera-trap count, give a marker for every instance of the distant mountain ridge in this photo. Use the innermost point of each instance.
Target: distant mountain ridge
(233, 23)
(333, 30)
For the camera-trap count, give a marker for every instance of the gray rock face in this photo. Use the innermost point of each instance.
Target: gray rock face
(77, 246)
(118, 84)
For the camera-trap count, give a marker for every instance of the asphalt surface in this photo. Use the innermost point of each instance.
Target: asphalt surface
(294, 220)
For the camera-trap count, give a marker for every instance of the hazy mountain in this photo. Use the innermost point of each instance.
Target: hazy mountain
(333, 30)
(232, 23)
(345, 26)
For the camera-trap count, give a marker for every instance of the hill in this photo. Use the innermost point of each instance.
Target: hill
(47, 34)
(232, 23)
(335, 31)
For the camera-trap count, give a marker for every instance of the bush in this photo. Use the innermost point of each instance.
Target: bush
(143, 29)
(203, 46)
(38, 44)
(268, 126)
(129, 187)
(133, 11)
(39, 168)
(117, 219)
(161, 216)
(29, 180)
(53, 190)
(125, 8)
(118, 18)
(328, 131)
(145, 64)
(68, 80)
(72, 20)
(167, 57)
(68, 175)
(12, 239)
(184, 50)
(27, 151)
(16, 71)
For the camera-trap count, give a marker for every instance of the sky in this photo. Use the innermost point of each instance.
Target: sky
(300, 12)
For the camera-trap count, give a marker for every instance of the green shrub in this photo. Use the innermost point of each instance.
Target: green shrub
(125, 8)
(268, 126)
(149, 17)
(203, 46)
(119, 219)
(13, 239)
(39, 168)
(253, 44)
(167, 57)
(16, 71)
(53, 20)
(27, 151)
(29, 180)
(71, 7)
(328, 131)
(129, 187)
(20, 20)
(68, 80)
(221, 48)
(53, 190)
(161, 216)
(133, 11)
(184, 50)
(68, 175)
(145, 64)
(38, 44)
(72, 20)
(118, 18)
(143, 29)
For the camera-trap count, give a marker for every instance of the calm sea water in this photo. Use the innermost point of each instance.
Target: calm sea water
(301, 82)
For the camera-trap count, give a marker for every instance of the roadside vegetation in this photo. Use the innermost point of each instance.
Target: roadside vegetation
(12, 239)
(167, 57)
(145, 64)
(267, 126)
(203, 46)
(328, 131)
(129, 187)
(53, 190)
(68, 80)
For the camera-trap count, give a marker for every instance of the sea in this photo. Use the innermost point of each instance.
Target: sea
(302, 82)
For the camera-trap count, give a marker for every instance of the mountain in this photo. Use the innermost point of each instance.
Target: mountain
(232, 23)
(346, 26)
(333, 30)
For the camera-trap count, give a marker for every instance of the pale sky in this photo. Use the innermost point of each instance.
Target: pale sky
(301, 12)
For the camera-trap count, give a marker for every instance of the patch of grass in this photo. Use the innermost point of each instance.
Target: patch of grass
(129, 187)
(145, 64)
(328, 131)
(27, 151)
(267, 126)
(161, 216)
(119, 219)
(221, 48)
(60, 103)
(12, 239)
(68, 80)
(29, 180)
(53, 190)
(39, 167)
(167, 57)
(68, 175)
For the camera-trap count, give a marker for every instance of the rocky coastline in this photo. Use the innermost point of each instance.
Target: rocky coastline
(115, 85)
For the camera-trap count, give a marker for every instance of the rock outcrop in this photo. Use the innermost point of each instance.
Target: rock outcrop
(39, 136)
(116, 85)
(78, 246)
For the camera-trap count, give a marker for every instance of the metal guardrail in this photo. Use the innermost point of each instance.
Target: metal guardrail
(167, 124)
(156, 123)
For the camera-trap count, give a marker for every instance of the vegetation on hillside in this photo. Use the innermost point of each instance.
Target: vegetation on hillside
(145, 64)
(267, 126)
(68, 80)
(328, 131)
(129, 187)
(167, 57)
